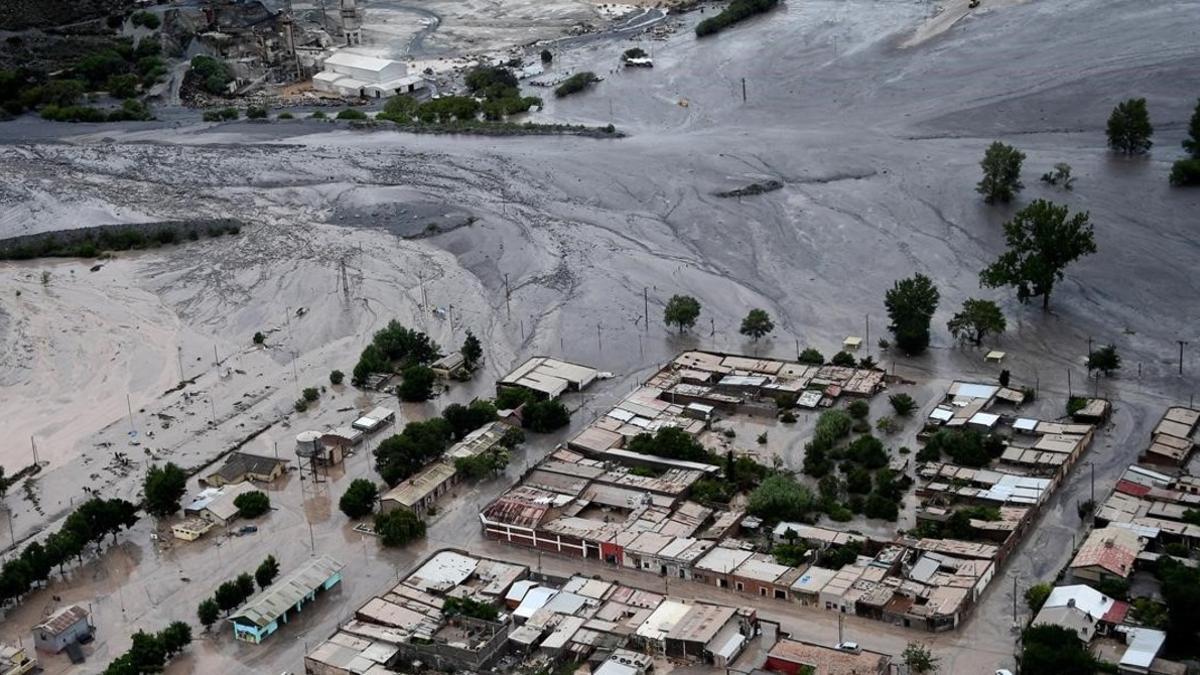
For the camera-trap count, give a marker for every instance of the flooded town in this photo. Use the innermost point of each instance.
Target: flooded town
(749, 336)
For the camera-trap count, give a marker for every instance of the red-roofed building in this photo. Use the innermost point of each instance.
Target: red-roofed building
(1131, 488)
(1107, 553)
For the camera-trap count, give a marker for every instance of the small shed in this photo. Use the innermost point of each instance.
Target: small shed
(449, 365)
(61, 628)
(242, 466)
(375, 420)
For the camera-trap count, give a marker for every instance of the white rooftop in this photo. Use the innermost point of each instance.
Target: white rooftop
(443, 571)
(352, 60)
(1086, 598)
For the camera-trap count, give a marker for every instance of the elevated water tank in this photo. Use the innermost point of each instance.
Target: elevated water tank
(308, 443)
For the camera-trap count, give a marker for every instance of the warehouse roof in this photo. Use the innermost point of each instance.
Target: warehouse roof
(284, 594)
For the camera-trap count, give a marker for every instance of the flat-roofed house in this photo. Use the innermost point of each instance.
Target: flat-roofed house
(548, 378)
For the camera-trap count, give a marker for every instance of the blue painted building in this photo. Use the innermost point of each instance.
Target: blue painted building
(278, 603)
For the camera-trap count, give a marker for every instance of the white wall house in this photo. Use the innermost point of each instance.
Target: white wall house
(348, 74)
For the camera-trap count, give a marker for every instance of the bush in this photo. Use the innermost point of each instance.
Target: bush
(669, 442)
(311, 394)
(351, 114)
(1036, 596)
(252, 504)
(470, 607)
(859, 409)
(300, 405)
(259, 338)
(398, 527)
(634, 53)
(213, 75)
(1075, 404)
(1185, 173)
(359, 499)
(547, 57)
(811, 357)
(843, 359)
(576, 83)
(449, 108)
(788, 417)
(254, 112)
(146, 20)
(903, 404)
(738, 10)
(122, 86)
(546, 416)
(285, 116)
(780, 498)
(229, 113)
(318, 115)
(708, 491)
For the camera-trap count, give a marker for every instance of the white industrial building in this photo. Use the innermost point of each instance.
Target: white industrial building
(349, 74)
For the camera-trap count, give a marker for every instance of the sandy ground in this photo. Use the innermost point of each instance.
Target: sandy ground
(878, 148)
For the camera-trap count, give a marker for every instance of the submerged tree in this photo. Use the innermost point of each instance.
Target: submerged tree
(976, 320)
(681, 311)
(1042, 241)
(757, 324)
(1129, 128)
(1001, 173)
(910, 306)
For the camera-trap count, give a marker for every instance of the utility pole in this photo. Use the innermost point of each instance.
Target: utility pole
(646, 308)
(1014, 599)
(216, 359)
(1068, 383)
(129, 407)
(179, 357)
(743, 90)
(598, 343)
(33, 444)
(507, 307)
(312, 542)
(868, 337)
(841, 617)
(1093, 466)
(1182, 344)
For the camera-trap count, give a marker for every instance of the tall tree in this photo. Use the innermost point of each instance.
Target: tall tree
(910, 306)
(359, 499)
(1192, 142)
(976, 319)
(1129, 128)
(1041, 241)
(1105, 359)
(681, 311)
(757, 324)
(175, 637)
(164, 487)
(472, 351)
(267, 570)
(207, 612)
(1001, 173)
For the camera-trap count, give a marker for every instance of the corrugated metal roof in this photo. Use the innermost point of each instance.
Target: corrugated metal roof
(284, 594)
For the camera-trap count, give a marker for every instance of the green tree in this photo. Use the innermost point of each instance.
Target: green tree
(1129, 128)
(546, 416)
(359, 499)
(1192, 142)
(1048, 649)
(472, 351)
(398, 527)
(1036, 596)
(919, 659)
(267, 570)
(1041, 242)
(780, 498)
(336, 377)
(164, 487)
(757, 324)
(122, 86)
(252, 504)
(148, 653)
(245, 585)
(259, 338)
(175, 637)
(417, 384)
(1105, 359)
(910, 306)
(976, 320)
(903, 404)
(681, 311)
(669, 442)
(311, 394)
(1001, 173)
(208, 612)
(812, 357)
(1185, 172)
(400, 109)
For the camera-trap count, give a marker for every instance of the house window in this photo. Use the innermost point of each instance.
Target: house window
(721, 583)
(780, 595)
(738, 585)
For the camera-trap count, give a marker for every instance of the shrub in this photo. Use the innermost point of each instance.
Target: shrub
(811, 357)
(336, 377)
(256, 112)
(259, 338)
(843, 359)
(398, 527)
(470, 607)
(788, 417)
(146, 20)
(1185, 173)
(738, 10)
(903, 404)
(576, 83)
(351, 114)
(213, 75)
(886, 424)
(859, 409)
(311, 394)
(229, 113)
(252, 504)
(634, 53)
(359, 498)
(300, 405)
(547, 57)
(1075, 404)
(285, 116)
(318, 115)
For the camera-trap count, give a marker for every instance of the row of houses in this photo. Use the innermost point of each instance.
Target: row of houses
(581, 619)
(688, 391)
